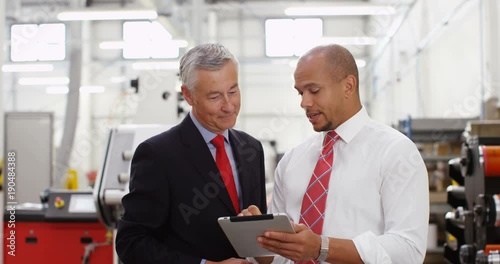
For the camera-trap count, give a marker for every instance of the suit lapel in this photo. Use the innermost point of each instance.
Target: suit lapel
(239, 145)
(202, 160)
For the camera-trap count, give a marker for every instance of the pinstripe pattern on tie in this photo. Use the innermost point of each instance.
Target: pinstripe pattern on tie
(312, 212)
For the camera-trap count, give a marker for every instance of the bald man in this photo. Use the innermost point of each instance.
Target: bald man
(357, 191)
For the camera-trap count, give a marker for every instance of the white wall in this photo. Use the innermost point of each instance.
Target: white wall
(492, 42)
(270, 105)
(444, 78)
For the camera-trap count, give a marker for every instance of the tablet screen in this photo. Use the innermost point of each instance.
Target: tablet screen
(243, 231)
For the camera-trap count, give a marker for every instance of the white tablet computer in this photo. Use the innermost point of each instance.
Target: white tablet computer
(243, 231)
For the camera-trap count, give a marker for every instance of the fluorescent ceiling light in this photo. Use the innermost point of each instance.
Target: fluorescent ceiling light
(164, 65)
(25, 67)
(57, 90)
(44, 81)
(349, 41)
(65, 89)
(115, 45)
(107, 15)
(354, 10)
(92, 89)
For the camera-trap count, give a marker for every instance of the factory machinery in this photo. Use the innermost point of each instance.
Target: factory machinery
(112, 182)
(474, 222)
(42, 224)
(64, 228)
(71, 226)
(68, 226)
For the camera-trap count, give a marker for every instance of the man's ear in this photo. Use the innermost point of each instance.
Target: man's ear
(349, 86)
(188, 96)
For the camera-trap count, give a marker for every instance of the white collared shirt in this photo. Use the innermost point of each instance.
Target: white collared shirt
(378, 191)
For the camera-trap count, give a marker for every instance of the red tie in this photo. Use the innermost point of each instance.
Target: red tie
(225, 170)
(312, 213)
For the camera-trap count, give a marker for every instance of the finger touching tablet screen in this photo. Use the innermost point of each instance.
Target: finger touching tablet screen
(242, 231)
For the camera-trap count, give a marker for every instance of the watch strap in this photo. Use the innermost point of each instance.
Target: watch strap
(323, 252)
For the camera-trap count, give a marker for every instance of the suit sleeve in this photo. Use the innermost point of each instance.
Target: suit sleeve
(141, 229)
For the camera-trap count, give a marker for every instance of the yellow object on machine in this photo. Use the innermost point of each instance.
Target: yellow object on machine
(72, 179)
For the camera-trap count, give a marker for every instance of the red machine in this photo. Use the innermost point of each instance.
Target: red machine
(66, 231)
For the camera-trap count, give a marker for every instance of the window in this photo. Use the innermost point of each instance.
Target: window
(44, 42)
(292, 37)
(145, 40)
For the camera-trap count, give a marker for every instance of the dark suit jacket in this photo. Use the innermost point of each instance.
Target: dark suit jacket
(177, 195)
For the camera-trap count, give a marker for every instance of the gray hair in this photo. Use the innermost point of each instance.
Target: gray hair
(210, 57)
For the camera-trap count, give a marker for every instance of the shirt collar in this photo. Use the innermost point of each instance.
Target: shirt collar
(205, 133)
(350, 128)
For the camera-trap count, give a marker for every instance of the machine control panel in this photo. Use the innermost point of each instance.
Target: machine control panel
(64, 205)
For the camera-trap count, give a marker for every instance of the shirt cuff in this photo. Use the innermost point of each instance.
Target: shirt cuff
(370, 250)
(203, 261)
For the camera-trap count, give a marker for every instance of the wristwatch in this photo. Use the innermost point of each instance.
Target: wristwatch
(323, 251)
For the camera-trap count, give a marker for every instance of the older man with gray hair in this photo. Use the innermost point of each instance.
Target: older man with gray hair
(184, 179)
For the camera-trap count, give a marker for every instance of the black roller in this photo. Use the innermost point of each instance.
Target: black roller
(455, 170)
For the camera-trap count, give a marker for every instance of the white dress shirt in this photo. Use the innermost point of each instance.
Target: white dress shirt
(378, 192)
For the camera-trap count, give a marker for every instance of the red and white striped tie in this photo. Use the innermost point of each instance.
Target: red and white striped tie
(312, 213)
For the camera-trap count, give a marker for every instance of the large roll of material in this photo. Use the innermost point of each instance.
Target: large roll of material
(491, 155)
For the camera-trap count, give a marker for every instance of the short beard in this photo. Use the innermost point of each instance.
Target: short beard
(327, 127)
